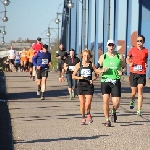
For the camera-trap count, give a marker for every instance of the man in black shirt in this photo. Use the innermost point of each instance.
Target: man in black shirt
(61, 55)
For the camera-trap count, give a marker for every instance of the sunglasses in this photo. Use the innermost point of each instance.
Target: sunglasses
(140, 41)
(111, 44)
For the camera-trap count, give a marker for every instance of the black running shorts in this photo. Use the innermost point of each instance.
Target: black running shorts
(85, 88)
(41, 73)
(30, 64)
(110, 88)
(136, 79)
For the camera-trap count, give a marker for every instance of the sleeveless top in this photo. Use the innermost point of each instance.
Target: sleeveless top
(86, 72)
(113, 65)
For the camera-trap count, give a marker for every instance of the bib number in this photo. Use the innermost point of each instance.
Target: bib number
(71, 68)
(86, 72)
(44, 61)
(137, 68)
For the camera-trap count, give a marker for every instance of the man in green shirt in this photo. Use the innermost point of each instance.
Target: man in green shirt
(112, 65)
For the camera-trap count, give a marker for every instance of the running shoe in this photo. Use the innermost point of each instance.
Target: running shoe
(42, 98)
(108, 124)
(113, 116)
(33, 78)
(139, 113)
(70, 97)
(73, 95)
(89, 117)
(83, 122)
(38, 92)
(131, 104)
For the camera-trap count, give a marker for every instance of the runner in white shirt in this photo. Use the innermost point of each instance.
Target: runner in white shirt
(11, 56)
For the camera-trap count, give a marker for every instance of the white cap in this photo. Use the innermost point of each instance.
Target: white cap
(110, 41)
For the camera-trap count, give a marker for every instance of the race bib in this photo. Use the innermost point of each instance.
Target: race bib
(71, 68)
(86, 72)
(44, 61)
(137, 68)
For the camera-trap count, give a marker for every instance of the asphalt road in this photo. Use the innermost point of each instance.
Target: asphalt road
(54, 124)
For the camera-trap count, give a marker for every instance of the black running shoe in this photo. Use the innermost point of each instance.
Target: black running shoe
(108, 124)
(113, 117)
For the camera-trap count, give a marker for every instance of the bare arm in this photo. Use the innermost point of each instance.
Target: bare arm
(101, 69)
(96, 75)
(65, 66)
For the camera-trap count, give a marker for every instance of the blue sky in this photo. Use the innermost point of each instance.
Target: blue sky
(30, 18)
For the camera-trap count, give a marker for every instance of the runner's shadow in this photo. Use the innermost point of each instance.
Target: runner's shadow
(61, 139)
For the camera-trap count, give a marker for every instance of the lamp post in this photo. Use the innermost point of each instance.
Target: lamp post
(6, 3)
(57, 20)
(3, 32)
(2, 40)
(48, 34)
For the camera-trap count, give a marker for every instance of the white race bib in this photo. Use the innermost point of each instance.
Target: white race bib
(71, 68)
(86, 72)
(44, 61)
(137, 68)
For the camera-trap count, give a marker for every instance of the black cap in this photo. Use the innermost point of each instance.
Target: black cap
(71, 49)
(45, 46)
(39, 39)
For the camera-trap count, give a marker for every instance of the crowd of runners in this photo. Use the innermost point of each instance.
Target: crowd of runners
(79, 74)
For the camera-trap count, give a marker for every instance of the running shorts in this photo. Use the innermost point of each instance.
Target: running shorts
(110, 88)
(136, 79)
(85, 88)
(41, 73)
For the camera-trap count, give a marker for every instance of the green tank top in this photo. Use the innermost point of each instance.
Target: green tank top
(113, 65)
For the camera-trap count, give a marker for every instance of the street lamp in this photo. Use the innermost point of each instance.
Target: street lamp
(70, 4)
(6, 2)
(57, 20)
(5, 19)
(3, 32)
(2, 40)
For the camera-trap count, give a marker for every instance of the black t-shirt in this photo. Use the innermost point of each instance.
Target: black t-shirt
(62, 53)
(71, 62)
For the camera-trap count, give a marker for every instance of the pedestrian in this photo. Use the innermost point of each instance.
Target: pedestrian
(61, 55)
(112, 65)
(69, 66)
(7, 65)
(85, 87)
(30, 54)
(11, 57)
(36, 47)
(42, 61)
(137, 59)
(23, 59)
(17, 61)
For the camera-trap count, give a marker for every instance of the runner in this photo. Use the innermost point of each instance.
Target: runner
(17, 62)
(30, 55)
(36, 47)
(11, 57)
(69, 65)
(42, 61)
(137, 61)
(85, 87)
(61, 55)
(23, 59)
(112, 65)
(7, 65)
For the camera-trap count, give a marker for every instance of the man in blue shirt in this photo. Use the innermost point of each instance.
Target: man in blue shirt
(42, 61)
